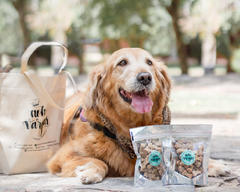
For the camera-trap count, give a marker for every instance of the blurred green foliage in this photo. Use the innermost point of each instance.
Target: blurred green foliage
(142, 23)
(10, 31)
(119, 23)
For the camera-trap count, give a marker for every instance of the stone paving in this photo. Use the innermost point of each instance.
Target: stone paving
(225, 146)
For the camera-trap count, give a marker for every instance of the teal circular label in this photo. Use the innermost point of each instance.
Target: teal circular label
(155, 158)
(188, 157)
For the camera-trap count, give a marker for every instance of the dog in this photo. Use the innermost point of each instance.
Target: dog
(130, 90)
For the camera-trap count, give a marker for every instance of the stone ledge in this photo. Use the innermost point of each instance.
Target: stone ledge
(45, 182)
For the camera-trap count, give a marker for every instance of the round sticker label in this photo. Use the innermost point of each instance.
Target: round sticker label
(188, 157)
(155, 158)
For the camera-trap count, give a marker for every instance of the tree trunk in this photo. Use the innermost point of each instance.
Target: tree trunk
(81, 61)
(209, 52)
(229, 65)
(181, 47)
(229, 56)
(20, 6)
(56, 51)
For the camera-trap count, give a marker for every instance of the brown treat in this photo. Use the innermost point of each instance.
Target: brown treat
(160, 172)
(145, 174)
(180, 151)
(201, 169)
(189, 170)
(179, 156)
(151, 176)
(145, 162)
(158, 149)
(151, 146)
(181, 169)
(188, 166)
(190, 176)
(178, 145)
(154, 171)
(142, 169)
(185, 173)
(175, 146)
(194, 168)
(178, 162)
(197, 164)
(195, 173)
(142, 146)
(181, 163)
(149, 166)
(144, 152)
(199, 153)
(180, 142)
(160, 169)
(189, 146)
(158, 143)
(199, 158)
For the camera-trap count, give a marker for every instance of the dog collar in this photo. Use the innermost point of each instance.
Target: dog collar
(80, 114)
(110, 131)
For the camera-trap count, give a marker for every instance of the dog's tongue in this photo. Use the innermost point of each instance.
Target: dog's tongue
(141, 102)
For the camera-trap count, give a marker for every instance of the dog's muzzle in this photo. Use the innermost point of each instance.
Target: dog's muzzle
(139, 99)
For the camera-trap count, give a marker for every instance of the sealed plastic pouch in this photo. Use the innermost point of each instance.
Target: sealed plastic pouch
(190, 154)
(152, 145)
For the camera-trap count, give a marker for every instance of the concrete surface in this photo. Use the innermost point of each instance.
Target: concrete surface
(225, 145)
(46, 182)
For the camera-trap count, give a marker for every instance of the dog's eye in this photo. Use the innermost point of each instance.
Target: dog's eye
(122, 63)
(149, 62)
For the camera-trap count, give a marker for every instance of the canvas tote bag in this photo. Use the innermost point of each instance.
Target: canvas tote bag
(31, 115)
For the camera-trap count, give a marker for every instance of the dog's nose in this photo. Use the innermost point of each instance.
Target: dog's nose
(144, 78)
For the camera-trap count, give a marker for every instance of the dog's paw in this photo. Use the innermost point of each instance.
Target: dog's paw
(89, 173)
(217, 167)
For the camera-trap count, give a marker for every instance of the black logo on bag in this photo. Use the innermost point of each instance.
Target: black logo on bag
(38, 121)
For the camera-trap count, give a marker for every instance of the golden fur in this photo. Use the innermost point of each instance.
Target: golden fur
(88, 153)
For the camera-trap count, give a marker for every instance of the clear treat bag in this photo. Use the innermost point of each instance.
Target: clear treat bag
(152, 145)
(190, 154)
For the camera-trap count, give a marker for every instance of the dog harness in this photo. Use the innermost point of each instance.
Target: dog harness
(110, 131)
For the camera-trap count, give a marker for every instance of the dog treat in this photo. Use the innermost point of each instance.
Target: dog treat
(189, 160)
(151, 160)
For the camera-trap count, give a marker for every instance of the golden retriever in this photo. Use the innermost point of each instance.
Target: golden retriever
(130, 90)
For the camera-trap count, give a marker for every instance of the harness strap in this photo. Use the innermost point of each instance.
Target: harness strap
(104, 130)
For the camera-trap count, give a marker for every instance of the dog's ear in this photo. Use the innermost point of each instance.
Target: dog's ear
(164, 79)
(94, 86)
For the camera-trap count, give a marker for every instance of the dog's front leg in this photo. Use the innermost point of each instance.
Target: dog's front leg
(94, 171)
(67, 163)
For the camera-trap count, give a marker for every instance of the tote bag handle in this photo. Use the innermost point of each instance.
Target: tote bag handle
(33, 78)
(29, 51)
